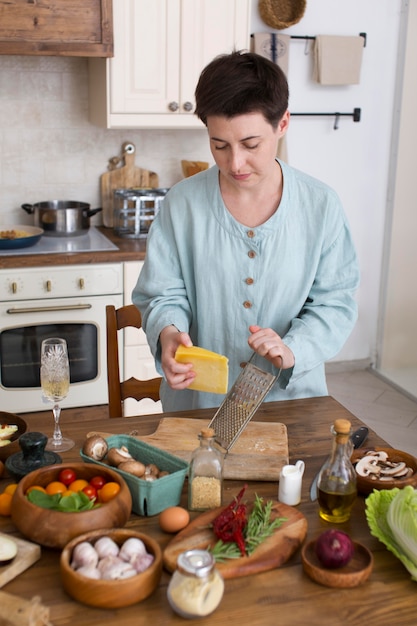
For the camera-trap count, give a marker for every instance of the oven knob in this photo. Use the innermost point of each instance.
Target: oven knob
(82, 283)
(14, 287)
(48, 285)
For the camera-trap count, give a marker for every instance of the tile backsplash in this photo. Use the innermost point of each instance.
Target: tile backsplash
(48, 148)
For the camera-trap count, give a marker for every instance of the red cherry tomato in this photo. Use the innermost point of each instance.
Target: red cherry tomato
(97, 482)
(67, 476)
(90, 491)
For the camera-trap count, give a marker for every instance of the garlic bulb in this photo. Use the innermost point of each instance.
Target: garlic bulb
(113, 568)
(141, 562)
(106, 547)
(89, 571)
(131, 548)
(84, 554)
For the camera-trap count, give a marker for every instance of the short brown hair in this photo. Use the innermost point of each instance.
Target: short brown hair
(239, 83)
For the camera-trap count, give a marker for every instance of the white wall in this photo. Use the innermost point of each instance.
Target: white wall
(399, 316)
(49, 150)
(354, 159)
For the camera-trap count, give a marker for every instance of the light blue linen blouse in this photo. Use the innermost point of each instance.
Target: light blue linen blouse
(212, 277)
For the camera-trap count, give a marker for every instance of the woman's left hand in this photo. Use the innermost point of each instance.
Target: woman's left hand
(267, 343)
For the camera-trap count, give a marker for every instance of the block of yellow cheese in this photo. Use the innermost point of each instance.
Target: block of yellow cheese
(212, 369)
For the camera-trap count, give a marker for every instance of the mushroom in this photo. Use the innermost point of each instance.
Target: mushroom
(377, 465)
(367, 465)
(152, 470)
(115, 456)
(95, 447)
(132, 467)
(397, 469)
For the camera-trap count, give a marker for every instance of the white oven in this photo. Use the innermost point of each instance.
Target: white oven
(60, 301)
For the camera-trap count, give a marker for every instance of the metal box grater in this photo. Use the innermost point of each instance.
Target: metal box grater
(135, 209)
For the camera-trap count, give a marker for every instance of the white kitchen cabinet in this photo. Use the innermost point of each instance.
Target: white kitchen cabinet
(138, 360)
(160, 48)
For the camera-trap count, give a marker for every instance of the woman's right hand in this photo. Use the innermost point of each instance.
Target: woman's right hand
(178, 375)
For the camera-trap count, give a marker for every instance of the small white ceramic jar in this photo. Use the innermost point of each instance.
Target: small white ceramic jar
(290, 482)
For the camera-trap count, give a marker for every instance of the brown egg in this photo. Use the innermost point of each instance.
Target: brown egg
(173, 519)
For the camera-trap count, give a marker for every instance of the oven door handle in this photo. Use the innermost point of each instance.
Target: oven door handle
(43, 309)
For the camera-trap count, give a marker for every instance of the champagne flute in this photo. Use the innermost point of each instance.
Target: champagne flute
(55, 380)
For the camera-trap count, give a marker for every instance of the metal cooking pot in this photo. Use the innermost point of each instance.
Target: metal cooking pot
(61, 218)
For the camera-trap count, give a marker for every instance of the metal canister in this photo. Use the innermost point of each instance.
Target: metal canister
(196, 587)
(135, 209)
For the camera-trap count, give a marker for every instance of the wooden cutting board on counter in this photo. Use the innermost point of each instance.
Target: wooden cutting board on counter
(27, 554)
(259, 453)
(272, 553)
(123, 176)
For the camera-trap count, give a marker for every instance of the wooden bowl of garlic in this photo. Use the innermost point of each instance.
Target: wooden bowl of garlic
(111, 568)
(383, 468)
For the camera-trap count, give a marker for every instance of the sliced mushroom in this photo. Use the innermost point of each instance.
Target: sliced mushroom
(367, 465)
(395, 470)
(378, 465)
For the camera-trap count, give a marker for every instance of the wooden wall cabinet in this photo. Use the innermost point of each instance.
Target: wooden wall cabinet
(160, 48)
(56, 27)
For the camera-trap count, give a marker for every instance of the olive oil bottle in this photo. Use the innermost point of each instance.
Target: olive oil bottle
(337, 480)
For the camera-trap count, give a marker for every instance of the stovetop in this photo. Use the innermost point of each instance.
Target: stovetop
(92, 241)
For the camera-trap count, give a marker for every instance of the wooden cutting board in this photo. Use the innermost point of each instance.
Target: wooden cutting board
(27, 554)
(123, 176)
(272, 553)
(259, 453)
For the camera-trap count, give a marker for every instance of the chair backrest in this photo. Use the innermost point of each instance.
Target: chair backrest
(117, 319)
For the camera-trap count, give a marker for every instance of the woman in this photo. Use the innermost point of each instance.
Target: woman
(250, 255)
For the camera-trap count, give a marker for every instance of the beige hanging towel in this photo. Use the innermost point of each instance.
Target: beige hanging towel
(337, 60)
(273, 47)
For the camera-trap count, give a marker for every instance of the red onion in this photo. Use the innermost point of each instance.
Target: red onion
(334, 548)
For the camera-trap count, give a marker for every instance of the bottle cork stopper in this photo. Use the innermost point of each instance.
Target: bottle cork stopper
(342, 426)
(207, 432)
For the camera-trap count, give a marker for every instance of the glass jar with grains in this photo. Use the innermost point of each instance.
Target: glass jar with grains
(196, 587)
(205, 474)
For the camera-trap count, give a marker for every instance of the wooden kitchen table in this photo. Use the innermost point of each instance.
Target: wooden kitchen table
(281, 597)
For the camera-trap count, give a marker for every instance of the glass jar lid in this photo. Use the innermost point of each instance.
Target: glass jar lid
(196, 562)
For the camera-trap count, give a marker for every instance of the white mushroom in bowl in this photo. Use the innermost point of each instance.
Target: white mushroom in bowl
(376, 465)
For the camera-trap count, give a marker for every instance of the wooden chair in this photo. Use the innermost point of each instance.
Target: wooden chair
(117, 319)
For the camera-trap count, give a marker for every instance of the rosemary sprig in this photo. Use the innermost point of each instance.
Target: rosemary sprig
(258, 528)
(223, 551)
(259, 525)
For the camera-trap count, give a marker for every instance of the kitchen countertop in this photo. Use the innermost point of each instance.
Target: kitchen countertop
(284, 595)
(128, 250)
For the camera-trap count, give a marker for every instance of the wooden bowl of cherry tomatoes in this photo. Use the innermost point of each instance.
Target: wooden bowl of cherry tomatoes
(103, 500)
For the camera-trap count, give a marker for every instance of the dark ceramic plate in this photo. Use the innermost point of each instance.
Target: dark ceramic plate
(33, 236)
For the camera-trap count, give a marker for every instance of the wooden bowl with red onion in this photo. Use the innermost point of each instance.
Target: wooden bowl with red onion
(383, 468)
(111, 568)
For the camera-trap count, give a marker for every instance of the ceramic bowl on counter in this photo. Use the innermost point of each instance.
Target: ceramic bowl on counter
(111, 594)
(12, 447)
(379, 468)
(54, 529)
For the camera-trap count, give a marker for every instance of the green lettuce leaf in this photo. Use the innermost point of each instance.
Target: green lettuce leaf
(392, 518)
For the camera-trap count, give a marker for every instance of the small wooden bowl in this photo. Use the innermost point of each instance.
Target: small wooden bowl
(13, 446)
(353, 574)
(111, 594)
(54, 529)
(366, 485)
